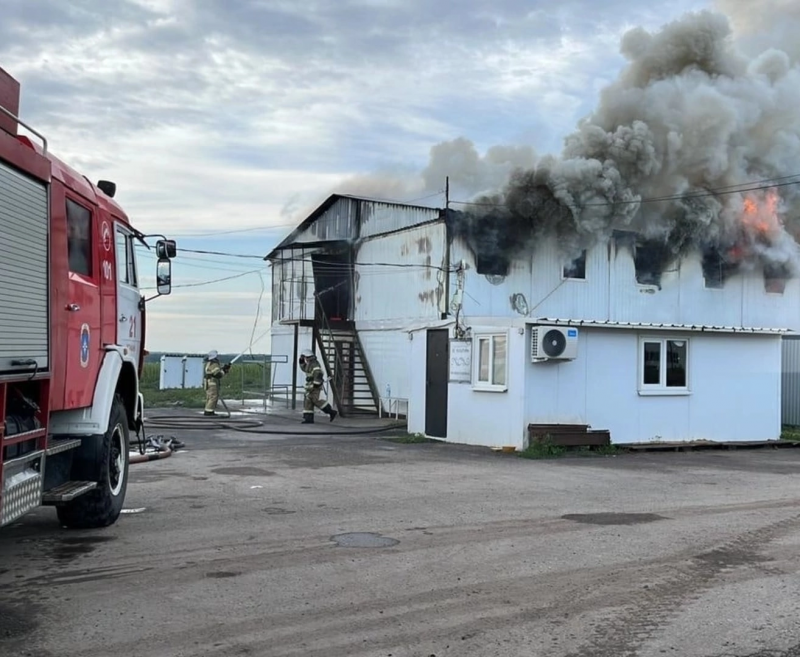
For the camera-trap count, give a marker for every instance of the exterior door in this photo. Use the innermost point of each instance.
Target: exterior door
(436, 381)
(82, 308)
(129, 314)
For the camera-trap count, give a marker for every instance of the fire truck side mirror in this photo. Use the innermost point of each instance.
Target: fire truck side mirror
(166, 249)
(164, 276)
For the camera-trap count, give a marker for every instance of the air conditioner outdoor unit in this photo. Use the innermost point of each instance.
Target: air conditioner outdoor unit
(553, 343)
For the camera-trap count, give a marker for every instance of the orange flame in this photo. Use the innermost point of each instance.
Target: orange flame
(761, 215)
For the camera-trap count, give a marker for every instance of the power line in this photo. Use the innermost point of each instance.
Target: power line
(721, 191)
(204, 252)
(238, 230)
(211, 282)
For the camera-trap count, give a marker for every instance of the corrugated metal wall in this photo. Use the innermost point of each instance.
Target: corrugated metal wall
(610, 291)
(338, 222)
(377, 217)
(790, 381)
(24, 329)
(413, 290)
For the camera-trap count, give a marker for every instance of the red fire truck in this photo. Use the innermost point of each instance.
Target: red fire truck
(72, 326)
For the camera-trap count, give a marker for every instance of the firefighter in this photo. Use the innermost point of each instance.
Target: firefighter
(213, 374)
(313, 388)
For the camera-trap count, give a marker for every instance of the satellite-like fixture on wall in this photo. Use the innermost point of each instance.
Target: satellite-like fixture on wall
(519, 303)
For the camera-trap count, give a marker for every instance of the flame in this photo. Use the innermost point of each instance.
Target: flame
(760, 215)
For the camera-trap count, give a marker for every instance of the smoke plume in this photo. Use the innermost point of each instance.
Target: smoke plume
(692, 120)
(470, 173)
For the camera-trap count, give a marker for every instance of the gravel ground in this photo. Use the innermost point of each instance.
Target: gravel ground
(336, 546)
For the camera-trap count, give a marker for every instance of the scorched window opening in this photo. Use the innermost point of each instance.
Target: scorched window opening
(576, 269)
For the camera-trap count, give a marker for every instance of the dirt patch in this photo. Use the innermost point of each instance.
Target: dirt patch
(15, 622)
(72, 547)
(363, 540)
(222, 574)
(614, 518)
(243, 472)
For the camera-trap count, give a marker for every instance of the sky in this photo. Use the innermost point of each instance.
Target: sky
(225, 122)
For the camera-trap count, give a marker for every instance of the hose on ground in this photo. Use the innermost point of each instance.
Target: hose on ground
(145, 458)
(253, 426)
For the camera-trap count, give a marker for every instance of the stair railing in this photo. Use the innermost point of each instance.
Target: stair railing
(337, 365)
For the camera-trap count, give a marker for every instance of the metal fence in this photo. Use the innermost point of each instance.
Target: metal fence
(258, 380)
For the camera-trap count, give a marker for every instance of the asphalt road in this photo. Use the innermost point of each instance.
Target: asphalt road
(355, 546)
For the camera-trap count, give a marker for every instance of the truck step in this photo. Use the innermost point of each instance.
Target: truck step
(67, 491)
(58, 446)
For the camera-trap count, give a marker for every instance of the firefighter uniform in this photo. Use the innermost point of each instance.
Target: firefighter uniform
(313, 388)
(213, 373)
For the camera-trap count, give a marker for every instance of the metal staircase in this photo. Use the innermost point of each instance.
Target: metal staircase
(352, 384)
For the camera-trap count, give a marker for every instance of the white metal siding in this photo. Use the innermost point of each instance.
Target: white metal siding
(401, 276)
(377, 217)
(24, 270)
(338, 222)
(388, 355)
(611, 293)
(735, 385)
(790, 384)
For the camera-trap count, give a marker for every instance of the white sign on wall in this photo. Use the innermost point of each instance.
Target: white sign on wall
(460, 361)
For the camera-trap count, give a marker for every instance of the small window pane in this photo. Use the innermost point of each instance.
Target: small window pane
(122, 257)
(499, 361)
(676, 363)
(652, 363)
(79, 239)
(576, 268)
(132, 257)
(483, 359)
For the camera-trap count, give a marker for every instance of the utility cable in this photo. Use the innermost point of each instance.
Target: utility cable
(721, 191)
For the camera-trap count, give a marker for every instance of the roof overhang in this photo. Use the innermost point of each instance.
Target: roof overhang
(276, 253)
(698, 328)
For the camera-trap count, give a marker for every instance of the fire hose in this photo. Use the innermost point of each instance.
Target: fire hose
(254, 426)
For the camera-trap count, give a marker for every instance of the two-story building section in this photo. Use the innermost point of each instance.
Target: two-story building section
(406, 310)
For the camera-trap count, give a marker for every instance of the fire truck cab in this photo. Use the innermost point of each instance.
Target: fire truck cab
(72, 327)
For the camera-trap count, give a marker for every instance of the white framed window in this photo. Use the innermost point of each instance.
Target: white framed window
(663, 366)
(490, 356)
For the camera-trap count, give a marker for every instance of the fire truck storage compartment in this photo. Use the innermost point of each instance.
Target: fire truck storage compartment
(24, 333)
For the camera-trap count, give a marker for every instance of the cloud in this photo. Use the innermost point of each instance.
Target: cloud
(233, 114)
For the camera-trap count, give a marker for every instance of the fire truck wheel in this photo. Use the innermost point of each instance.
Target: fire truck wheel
(109, 463)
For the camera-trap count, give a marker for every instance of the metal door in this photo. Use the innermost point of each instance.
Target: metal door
(129, 314)
(436, 377)
(82, 308)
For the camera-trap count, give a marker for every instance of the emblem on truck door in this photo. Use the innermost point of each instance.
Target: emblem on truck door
(106, 236)
(85, 345)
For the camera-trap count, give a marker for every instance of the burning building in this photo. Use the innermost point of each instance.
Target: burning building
(639, 284)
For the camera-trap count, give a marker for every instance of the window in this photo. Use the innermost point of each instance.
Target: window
(775, 277)
(492, 362)
(79, 239)
(716, 270)
(649, 259)
(492, 265)
(123, 269)
(126, 258)
(577, 268)
(664, 366)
